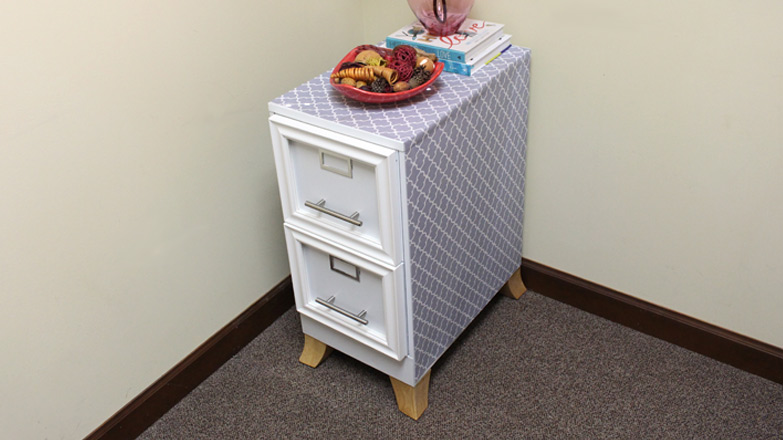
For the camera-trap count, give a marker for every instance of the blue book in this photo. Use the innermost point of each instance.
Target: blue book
(472, 37)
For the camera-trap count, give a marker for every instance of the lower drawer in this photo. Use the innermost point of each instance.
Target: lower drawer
(347, 292)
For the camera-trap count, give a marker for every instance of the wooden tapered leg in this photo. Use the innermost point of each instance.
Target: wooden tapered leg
(314, 352)
(514, 287)
(412, 401)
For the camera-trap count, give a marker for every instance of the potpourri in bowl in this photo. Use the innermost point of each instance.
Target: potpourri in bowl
(375, 74)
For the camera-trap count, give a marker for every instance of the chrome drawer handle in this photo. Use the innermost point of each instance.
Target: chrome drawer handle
(329, 303)
(320, 207)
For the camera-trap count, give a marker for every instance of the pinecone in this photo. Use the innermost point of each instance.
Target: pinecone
(380, 85)
(419, 77)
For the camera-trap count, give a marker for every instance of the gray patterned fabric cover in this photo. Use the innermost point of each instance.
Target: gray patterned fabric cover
(465, 177)
(466, 181)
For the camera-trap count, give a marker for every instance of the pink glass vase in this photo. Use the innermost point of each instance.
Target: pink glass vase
(441, 17)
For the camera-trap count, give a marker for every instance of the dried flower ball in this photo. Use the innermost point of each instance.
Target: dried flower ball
(404, 69)
(405, 53)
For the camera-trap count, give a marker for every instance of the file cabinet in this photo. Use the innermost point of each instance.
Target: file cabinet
(402, 220)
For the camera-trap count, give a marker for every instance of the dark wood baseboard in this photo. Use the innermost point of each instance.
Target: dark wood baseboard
(141, 412)
(742, 352)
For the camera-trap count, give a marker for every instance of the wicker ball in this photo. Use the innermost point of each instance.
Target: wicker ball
(405, 53)
(404, 69)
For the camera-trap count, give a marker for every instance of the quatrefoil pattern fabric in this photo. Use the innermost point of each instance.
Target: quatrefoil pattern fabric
(464, 159)
(465, 183)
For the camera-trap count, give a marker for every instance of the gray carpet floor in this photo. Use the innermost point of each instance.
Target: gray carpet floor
(528, 369)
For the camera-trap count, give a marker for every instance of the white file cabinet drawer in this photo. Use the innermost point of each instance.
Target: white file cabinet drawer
(349, 293)
(338, 185)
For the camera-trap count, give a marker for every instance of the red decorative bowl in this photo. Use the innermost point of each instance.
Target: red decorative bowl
(371, 97)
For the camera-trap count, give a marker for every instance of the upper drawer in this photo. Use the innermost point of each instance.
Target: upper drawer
(339, 187)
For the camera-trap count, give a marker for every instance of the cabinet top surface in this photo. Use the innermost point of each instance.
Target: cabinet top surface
(397, 125)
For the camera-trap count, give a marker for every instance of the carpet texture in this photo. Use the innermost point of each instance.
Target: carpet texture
(528, 369)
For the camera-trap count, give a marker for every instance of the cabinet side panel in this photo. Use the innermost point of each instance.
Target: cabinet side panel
(465, 180)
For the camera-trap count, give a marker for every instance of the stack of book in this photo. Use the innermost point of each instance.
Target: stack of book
(473, 46)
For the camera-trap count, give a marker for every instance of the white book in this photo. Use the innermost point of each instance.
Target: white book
(474, 64)
(472, 37)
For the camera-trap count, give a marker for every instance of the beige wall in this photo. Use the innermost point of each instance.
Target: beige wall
(654, 163)
(138, 203)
